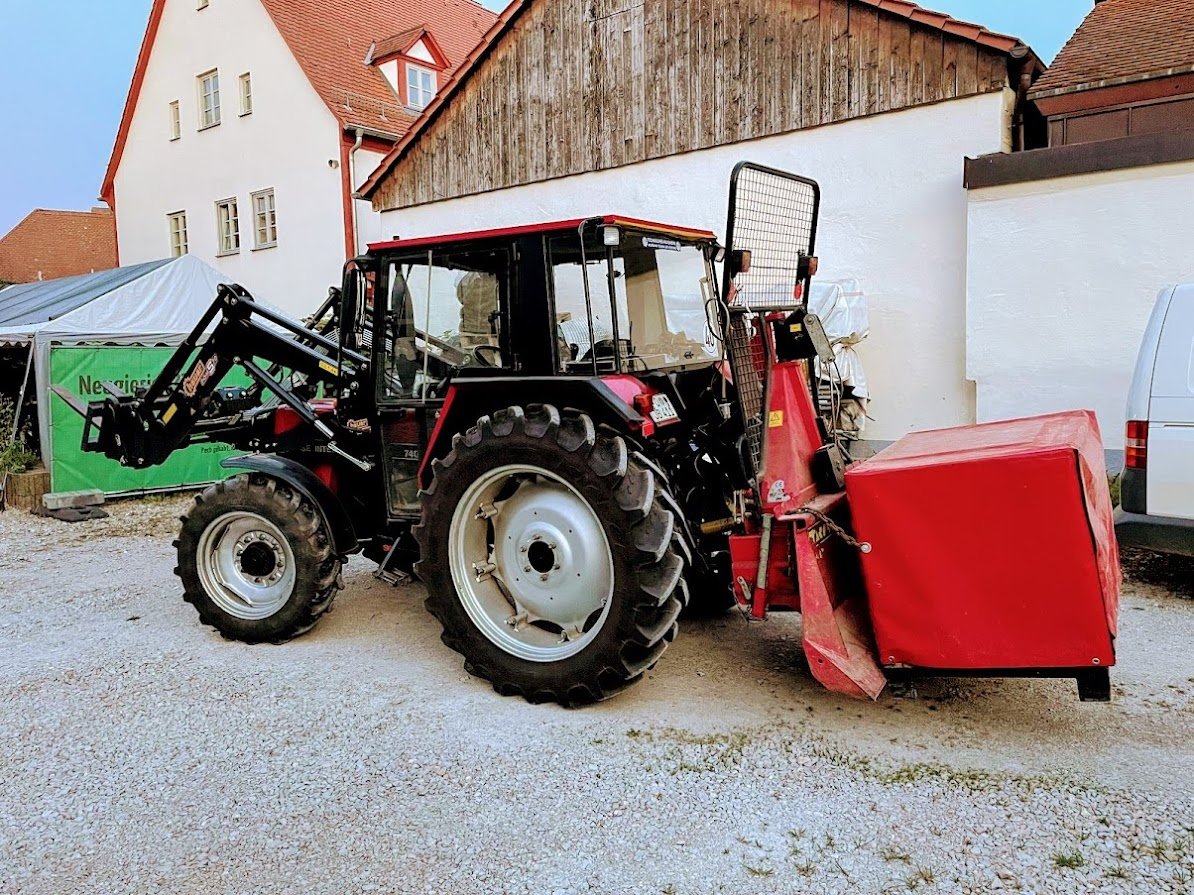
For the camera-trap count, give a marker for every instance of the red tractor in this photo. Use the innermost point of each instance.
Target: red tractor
(572, 431)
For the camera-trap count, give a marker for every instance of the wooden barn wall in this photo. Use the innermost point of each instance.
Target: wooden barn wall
(582, 85)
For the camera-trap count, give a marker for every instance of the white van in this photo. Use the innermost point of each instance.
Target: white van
(1157, 488)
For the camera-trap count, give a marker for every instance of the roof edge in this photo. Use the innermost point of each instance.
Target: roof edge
(108, 186)
(1112, 82)
(501, 24)
(1002, 43)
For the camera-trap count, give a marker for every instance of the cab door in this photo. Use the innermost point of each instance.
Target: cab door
(442, 317)
(1171, 413)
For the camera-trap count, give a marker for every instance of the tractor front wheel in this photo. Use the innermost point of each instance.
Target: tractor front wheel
(256, 561)
(548, 556)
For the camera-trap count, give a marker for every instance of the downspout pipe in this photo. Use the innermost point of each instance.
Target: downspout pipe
(1024, 70)
(352, 190)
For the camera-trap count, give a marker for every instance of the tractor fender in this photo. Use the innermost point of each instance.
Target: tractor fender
(470, 398)
(308, 484)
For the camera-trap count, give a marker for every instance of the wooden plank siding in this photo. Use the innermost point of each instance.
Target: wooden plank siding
(583, 85)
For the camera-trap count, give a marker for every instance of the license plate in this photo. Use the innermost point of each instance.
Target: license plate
(662, 409)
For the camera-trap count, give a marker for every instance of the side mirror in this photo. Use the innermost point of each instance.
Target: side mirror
(739, 262)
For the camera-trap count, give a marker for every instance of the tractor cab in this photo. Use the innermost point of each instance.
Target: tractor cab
(595, 297)
(608, 314)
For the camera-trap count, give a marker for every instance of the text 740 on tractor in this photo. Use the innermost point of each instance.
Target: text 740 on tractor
(572, 431)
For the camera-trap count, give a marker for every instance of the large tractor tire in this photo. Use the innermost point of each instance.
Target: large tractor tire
(256, 560)
(550, 557)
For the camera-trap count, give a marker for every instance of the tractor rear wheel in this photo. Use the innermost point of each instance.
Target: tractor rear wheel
(256, 561)
(549, 557)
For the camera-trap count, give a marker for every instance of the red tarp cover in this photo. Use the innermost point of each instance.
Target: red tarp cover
(993, 546)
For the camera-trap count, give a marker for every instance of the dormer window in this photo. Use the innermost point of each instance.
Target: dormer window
(420, 86)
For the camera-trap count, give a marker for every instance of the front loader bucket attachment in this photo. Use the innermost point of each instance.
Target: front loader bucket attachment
(838, 642)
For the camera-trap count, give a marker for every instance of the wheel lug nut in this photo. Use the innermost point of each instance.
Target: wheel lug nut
(543, 577)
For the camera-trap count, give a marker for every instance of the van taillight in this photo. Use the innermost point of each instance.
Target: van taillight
(1136, 446)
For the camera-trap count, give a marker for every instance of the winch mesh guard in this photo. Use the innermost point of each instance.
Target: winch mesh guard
(750, 376)
(773, 216)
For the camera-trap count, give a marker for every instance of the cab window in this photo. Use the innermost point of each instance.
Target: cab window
(443, 313)
(651, 300)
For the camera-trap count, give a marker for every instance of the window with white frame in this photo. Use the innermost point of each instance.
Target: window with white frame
(246, 94)
(175, 121)
(177, 222)
(265, 220)
(209, 99)
(420, 86)
(228, 227)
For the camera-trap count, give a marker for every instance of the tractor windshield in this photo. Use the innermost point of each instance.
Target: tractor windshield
(651, 300)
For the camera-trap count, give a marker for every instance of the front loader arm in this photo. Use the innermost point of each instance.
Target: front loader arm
(186, 402)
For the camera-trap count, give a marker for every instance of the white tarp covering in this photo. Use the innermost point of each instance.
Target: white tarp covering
(843, 311)
(158, 308)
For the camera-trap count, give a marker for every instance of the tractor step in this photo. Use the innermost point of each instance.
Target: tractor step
(391, 576)
(394, 579)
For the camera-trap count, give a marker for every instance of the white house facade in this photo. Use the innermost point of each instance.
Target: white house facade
(250, 123)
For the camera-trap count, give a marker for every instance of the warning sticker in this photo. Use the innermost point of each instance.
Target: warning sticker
(776, 419)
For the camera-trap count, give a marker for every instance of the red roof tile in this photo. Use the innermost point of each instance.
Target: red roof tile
(1002, 42)
(51, 244)
(968, 30)
(1123, 41)
(330, 40)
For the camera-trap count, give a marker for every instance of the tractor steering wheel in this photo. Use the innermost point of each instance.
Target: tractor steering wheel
(487, 356)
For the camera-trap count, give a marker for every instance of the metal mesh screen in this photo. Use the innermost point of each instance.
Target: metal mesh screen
(746, 357)
(773, 215)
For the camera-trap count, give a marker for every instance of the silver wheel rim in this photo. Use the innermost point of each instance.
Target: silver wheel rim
(246, 565)
(531, 563)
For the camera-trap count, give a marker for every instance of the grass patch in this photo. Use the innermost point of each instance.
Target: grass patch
(922, 772)
(685, 751)
(1069, 860)
(759, 871)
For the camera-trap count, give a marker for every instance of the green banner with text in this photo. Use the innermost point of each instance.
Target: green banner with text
(80, 371)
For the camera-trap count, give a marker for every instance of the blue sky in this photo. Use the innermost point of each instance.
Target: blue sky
(66, 66)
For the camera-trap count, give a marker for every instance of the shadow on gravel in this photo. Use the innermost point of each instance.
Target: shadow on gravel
(1171, 573)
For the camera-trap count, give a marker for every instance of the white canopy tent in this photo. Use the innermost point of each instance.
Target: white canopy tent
(151, 304)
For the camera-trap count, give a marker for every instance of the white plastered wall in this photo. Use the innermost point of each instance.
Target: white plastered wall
(1062, 276)
(893, 217)
(289, 143)
(370, 228)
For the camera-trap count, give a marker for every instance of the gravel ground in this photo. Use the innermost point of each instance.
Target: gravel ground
(140, 752)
